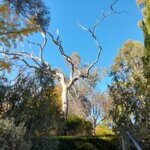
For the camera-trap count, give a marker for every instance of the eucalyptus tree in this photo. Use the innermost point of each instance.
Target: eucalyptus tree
(145, 25)
(130, 91)
(75, 71)
(131, 84)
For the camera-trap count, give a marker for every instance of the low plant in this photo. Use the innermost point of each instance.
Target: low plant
(12, 136)
(78, 126)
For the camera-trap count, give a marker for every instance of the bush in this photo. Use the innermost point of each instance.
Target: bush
(73, 143)
(31, 99)
(45, 143)
(78, 126)
(86, 146)
(104, 130)
(12, 136)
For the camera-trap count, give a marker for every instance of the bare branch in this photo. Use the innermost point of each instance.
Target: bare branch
(116, 12)
(43, 46)
(34, 43)
(92, 31)
(93, 34)
(84, 28)
(113, 4)
(104, 15)
(57, 42)
(31, 66)
(21, 56)
(40, 58)
(72, 81)
(93, 63)
(23, 60)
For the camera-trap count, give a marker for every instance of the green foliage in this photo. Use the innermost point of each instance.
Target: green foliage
(145, 25)
(130, 91)
(78, 126)
(21, 18)
(103, 130)
(45, 143)
(12, 136)
(73, 143)
(86, 146)
(76, 59)
(5, 65)
(30, 100)
(35, 9)
(131, 83)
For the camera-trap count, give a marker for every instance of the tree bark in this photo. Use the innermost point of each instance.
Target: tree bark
(65, 100)
(64, 95)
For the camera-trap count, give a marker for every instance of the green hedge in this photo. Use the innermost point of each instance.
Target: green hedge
(73, 143)
(76, 126)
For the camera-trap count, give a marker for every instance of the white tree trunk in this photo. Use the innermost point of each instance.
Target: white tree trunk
(64, 95)
(65, 100)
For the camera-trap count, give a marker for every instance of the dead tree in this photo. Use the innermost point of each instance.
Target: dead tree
(75, 73)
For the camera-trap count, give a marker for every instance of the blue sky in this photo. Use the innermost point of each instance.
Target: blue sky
(112, 33)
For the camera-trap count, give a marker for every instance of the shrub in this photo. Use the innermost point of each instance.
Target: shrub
(12, 136)
(86, 146)
(78, 126)
(32, 100)
(72, 143)
(103, 130)
(44, 143)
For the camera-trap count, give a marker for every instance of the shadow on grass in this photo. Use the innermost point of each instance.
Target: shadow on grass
(107, 142)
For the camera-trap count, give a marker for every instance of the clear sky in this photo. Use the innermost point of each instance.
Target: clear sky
(112, 33)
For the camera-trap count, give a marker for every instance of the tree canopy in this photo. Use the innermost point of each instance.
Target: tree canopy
(130, 83)
(40, 101)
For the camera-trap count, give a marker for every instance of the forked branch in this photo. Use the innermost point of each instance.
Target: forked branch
(68, 59)
(22, 56)
(92, 32)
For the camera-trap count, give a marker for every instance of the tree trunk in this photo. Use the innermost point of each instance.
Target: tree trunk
(65, 100)
(64, 94)
(94, 126)
(94, 130)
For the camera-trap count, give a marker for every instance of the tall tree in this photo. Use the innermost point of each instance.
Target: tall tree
(131, 82)
(130, 91)
(145, 25)
(101, 105)
(75, 71)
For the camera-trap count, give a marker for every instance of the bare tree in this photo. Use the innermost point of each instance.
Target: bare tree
(76, 73)
(101, 105)
(81, 92)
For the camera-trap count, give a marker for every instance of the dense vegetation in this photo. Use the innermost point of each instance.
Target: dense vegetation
(131, 84)
(74, 143)
(41, 108)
